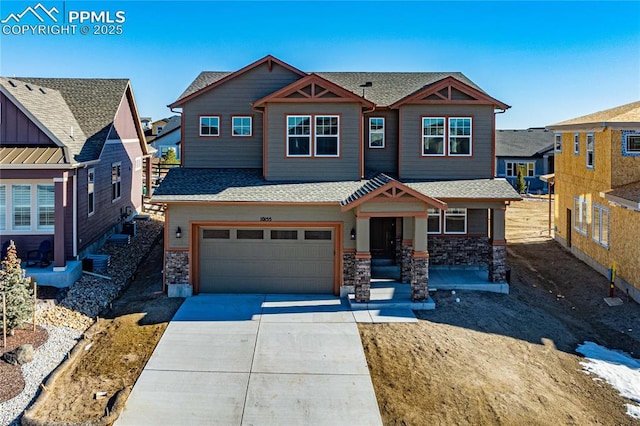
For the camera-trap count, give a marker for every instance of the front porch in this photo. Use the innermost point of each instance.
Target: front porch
(49, 276)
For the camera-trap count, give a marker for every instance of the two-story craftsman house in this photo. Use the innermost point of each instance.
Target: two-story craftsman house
(597, 185)
(294, 181)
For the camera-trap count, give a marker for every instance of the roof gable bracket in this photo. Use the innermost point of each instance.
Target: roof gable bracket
(395, 190)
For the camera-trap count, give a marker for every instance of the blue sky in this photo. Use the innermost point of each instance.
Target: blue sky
(550, 61)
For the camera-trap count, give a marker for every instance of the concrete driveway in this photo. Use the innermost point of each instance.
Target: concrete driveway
(256, 360)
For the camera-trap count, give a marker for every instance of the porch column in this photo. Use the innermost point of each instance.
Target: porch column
(419, 261)
(362, 281)
(407, 248)
(59, 257)
(498, 249)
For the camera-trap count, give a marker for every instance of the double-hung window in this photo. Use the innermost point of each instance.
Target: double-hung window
(209, 125)
(527, 168)
(299, 136)
(46, 206)
(455, 221)
(433, 220)
(600, 231)
(460, 136)
(580, 213)
(241, 126)
(116, 178)
(558, 143)
(576, 143)
(327, 136)
(21, 207)
(433, 136)
(631, 141)
(3, 207)
(91, 200)
(376, 132)
(590, 148)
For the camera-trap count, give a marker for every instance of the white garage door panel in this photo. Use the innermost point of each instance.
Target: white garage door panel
(266, 266)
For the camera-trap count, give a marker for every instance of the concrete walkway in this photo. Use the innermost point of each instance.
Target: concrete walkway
(256, 360)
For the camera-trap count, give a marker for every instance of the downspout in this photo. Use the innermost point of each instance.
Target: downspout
(494, 166)
(75, 214)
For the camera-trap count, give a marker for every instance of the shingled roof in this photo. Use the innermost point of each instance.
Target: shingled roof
(89, 105)
(523, 143)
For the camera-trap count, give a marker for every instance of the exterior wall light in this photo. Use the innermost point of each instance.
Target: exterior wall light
(353, 234)
(178, 233)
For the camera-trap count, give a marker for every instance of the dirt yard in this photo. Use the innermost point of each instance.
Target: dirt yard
(507, 359)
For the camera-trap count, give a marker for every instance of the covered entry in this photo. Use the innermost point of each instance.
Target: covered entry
(265, 259)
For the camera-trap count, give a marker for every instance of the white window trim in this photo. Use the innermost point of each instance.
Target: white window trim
(4, 210)
(444, 136)
(92, 211)
(455, 215)
(138, 163)
(38, 206)
(626, 134)
(439, 216)
(33, 225)
(557, 143)
(515, 168)
(233, 117)
(383, 131)
(592, 151)
(315, 137)
(310, 136)
(581, 215)
(598, 209)
(200, 126)
(448, 130)
(576, 143)
(118, 180)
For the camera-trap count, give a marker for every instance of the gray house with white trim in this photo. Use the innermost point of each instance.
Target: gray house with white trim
(294, 181)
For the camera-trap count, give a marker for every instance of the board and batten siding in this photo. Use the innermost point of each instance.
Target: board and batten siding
(383, 159)
(344, 167)
(183, 214)
(17, 129)
(232, 98)
(414, 166)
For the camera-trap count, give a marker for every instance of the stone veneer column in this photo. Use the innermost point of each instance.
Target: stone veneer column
(362, 282)
(405, 261)
(497, 262)
(419, 276)
(348, 268)
(176, 267)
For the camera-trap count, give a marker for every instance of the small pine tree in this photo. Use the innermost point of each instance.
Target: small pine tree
(521, 185)
(169, 157)
(16, 288)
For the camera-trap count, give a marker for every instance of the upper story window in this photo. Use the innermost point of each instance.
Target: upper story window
(432, 136)
(116, 177)
(3, 207)
(299, 136)
(209, 125)
(46, 206)
(590, 153)
(558, 143)
(327, 136)
(455, 130)
(159, 129)
(455, 221)
(91, 200)
(527, 168)
(433, 220)
(630, 143)
(376, 132)
(576, 143)
(241, 126)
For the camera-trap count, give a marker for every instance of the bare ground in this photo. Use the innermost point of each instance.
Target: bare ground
(507, 359)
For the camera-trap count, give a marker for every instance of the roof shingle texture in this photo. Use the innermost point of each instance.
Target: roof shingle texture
(93, 104)
(248, 185)
(629, 113)
(523, 143)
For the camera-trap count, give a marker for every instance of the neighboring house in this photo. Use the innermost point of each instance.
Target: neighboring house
(71, 154)
(168, 138)
(530, 151)
(146, 123)
(597, 186)
(154, 129)
(294, 181)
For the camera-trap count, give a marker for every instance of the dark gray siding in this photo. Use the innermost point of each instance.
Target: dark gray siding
(477, 222)
(344, 167)
(17, 129)
(231, 98)
(414, 166)
(383, 159)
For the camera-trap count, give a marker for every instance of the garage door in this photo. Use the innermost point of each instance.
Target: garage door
(266, 260)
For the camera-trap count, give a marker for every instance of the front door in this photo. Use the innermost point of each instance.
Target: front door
(569, 228)
(382, 237)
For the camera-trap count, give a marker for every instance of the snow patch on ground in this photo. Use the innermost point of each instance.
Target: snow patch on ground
(617, 368)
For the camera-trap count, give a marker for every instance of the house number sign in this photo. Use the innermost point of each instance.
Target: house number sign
(265, 219)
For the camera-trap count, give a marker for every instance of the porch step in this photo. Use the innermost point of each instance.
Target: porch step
(385, 272)
(381, 262)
